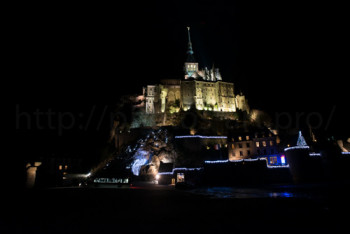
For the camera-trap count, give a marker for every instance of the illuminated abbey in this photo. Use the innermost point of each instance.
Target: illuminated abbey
(201, 89)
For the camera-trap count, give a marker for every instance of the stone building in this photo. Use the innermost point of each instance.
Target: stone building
(203, 89)
(254, 144)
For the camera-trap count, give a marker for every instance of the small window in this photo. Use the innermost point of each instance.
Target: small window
(273, 160)
(60, 167)
(248, 152)
(232, 146)
(240, 138)
(180, 177)
(65, 167)
(240, 145)
(248, 145)
(247, 137)
(241, 153)
(271, 143)
(258, 151)
(257, 144)
(264, 143)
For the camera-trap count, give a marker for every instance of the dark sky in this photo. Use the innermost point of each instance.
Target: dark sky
(285, 56)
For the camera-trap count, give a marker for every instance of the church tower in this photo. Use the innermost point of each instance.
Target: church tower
(191, 66)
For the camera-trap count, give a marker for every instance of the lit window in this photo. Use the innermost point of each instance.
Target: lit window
(273, 160)
(247, 137)
(257, 144)
(60, 167)
(264, 143)
(271, 143)
(180, 177)
(240, 138)
(66, 167)
(232, 146)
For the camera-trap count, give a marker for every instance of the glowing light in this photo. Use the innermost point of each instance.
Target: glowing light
(314, 154)
(202, 137)
(157, 177)
(296, 147)
(140, 159)
(277, 166)
(345, 152)
(180, 169)
(283, 159)
(88, 174)
(247, 160)
(301, 141)
(165, 173)
(111, 180)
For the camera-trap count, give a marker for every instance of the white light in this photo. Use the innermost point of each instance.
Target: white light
(179, 169)
(246, 160)
(88, 174)
(283, 159)
(112, 180)
(202, 137)
(345, 152)
(165, 173)
(314, 154)
(296, 147)
(157, 177)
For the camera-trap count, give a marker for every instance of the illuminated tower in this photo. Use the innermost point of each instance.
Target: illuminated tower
(191, 66)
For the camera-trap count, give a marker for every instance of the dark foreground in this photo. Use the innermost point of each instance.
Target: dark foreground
(149, 209)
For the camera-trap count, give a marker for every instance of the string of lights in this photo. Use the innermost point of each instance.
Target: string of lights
(296, 147)
(247, 160)
(202, 137)
(180, 169)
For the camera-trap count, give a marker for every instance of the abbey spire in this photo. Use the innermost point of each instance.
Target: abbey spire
(190, 57)
(191, 67)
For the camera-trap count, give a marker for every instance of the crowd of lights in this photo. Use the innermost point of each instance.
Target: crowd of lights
(202, 137)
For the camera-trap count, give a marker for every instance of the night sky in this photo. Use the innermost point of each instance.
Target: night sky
(284, 56)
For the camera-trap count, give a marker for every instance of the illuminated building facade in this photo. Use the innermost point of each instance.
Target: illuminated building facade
(262, 144)
(203, 89)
